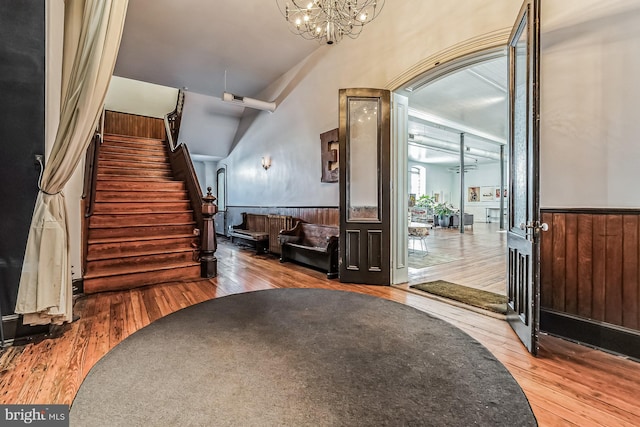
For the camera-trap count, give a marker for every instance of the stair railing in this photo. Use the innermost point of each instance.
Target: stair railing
(91, 167)
(181, 163)
(89, 187)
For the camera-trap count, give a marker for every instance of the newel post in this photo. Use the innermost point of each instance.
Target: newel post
(208, 261)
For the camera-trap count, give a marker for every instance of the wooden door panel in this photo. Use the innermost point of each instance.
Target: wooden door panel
(365, 193)
(374, 244)
(523, 287)
(352, 253)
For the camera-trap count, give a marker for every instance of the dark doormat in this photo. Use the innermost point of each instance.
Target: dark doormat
(464, 294)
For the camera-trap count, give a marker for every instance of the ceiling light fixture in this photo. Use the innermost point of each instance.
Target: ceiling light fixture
(329, 20)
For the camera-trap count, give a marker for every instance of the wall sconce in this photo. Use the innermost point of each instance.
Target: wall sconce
(266, 162)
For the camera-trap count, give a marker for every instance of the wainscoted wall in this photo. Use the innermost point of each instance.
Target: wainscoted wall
(133, 124)
(315, 215)
(590, 271)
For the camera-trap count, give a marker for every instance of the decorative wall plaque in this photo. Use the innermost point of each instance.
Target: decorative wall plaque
(329, 144)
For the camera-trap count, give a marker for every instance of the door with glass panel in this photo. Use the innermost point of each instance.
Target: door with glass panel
(365, 186)
(523, 235)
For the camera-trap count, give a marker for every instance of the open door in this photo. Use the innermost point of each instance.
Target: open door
(523, 270)
(365, 186)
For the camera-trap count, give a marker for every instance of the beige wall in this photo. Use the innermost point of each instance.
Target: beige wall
(404, 34)
(589, 88)
(588, 117)
(136, 97)
(589, 103)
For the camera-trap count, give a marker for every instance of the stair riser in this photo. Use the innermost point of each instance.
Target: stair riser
(158, 230)
(150, 207)
(159, 146)
(131, 178)
(109, 137)
(106, 149)
(128, 164)
(115, 249)
(136, 280)
(133, 220)
(109, 156)
(137, 198)
(137, 185)
(150, 261)
(133, 172)
(141, 196)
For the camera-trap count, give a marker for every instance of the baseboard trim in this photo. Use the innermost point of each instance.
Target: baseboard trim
(605, 336)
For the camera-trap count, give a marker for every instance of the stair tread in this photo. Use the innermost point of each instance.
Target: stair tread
(136, 280)
(149, 257)
(110, 272)
(137, 239)
(113, 177)
(144, 225)
(185, 211)
(139, 253)
(109, 135)
(107, 163)
(135, 144)
(154, 183)
(126, 166)
(128, 154)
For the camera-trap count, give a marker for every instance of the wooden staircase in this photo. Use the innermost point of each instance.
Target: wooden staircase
(142, 228)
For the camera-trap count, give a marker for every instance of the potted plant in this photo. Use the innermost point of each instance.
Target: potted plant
(425, 201)
(443, 213)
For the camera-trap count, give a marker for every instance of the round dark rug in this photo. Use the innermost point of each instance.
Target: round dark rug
(300, 357)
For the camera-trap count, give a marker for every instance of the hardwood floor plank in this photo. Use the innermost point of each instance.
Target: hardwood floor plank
(567, 384)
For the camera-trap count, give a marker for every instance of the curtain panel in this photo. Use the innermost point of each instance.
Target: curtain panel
(93, 29)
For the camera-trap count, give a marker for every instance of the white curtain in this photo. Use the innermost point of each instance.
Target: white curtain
(93, 29)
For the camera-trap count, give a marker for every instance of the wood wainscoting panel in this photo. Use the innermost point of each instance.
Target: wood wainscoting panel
(276, 224)
(312, 215)
(590, 264)
(631, 272)
(134, 125)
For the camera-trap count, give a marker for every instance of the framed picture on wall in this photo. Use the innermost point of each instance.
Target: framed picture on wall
(473, 194)
(487, 194)
(497, 195)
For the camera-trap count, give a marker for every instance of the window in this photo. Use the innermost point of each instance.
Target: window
(417, 181)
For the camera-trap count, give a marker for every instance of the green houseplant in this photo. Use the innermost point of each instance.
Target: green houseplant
(443, 212)
(425, 201)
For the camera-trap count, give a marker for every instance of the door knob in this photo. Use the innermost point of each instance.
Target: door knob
(535, 226)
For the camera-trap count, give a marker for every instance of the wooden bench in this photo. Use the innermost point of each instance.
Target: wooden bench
(311, 244)
(253, 231)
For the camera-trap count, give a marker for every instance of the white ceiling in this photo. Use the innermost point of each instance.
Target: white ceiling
(191, 43)
(471, 100)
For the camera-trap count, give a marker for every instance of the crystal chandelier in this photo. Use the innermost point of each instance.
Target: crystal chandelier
(329, 20)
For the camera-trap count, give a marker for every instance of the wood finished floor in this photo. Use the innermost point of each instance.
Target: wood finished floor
(567, 384)
(479, 253)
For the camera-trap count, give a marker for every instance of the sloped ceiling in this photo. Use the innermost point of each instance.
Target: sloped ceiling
(191, 43)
